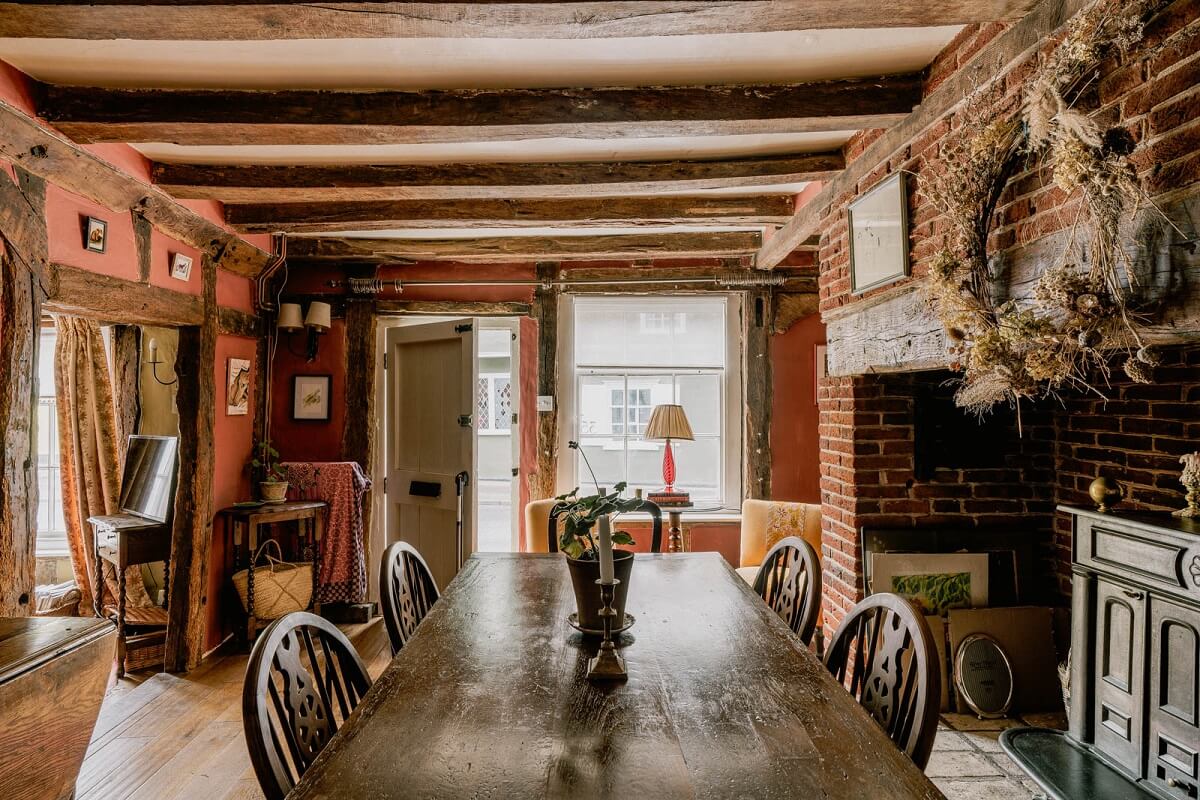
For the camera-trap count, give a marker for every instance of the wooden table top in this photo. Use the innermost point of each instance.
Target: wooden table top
(489, 700)
(26, 642)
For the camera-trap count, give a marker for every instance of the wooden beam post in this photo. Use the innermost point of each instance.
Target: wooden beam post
(191, 537)
(545, 311)
(23, 254)
(143, 232)
(359, 432)
(126, 351)
(756, 393)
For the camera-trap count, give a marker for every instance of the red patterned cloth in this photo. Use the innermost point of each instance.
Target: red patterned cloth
(343, 485)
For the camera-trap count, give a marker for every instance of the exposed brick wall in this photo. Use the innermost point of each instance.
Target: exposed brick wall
(1135, 437)
(866, 421)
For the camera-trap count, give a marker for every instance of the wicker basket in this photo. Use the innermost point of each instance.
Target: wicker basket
(280, 587)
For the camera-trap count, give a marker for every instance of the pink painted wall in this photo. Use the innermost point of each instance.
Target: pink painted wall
(233, 437)
(162, 249)
(795, 445)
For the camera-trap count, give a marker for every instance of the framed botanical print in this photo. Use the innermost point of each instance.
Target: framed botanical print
(237, 387)
(310, 397)
(878, 223)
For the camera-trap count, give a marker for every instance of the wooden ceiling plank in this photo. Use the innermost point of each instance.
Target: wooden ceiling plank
(375, 215)
(280, 183)
(250, 20)
(262, 117)
(342, 250)
(62, 162)
(1007, 48)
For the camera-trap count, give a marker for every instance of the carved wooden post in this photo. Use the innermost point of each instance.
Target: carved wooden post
(545, 311)
(191, 536)
(126, 344)
(756, 393)
(23, 255)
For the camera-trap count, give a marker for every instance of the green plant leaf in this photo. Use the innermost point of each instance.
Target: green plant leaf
(621, 537)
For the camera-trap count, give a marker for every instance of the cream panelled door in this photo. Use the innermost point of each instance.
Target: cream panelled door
(431, 404)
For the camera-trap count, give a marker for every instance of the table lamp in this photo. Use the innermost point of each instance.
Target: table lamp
(668, 422)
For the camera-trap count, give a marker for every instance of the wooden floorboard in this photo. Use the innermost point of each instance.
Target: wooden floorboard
(179, 737)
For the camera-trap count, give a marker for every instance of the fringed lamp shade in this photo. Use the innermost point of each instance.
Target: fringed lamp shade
(668, 422)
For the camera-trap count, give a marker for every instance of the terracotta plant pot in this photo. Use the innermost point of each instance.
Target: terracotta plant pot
(584, 575)
(273, 491)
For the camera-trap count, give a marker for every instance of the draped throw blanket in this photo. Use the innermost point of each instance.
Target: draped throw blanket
(89, 454)
(343, 485)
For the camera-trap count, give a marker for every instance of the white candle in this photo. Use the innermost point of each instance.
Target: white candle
(606, 551)
(153, 350)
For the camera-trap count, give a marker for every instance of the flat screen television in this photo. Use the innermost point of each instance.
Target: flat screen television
(148, 485)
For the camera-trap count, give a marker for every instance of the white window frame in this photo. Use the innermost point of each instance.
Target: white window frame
(731, 392)
(492, 378)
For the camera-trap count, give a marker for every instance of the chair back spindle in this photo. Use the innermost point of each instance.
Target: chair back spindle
(303, 680)
(407, 590)
(884, 654)
(789, 581)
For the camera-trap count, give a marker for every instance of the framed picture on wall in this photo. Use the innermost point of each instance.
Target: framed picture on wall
(95, 234)
(237, 387)
(181, 266)
(310, 397)
(878, 223)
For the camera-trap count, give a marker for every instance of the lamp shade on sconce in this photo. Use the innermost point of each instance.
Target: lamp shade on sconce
(290, 318)
(318, 316)
(668, 421)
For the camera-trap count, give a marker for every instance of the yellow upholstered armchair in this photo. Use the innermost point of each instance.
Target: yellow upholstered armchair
(537, 525)
(765, 522)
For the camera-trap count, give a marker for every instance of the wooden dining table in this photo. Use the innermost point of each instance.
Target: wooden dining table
(490, 700)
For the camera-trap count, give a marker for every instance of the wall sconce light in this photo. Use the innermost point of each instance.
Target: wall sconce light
(155, 361)
(316, 321)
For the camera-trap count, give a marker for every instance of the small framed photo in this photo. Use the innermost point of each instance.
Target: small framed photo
(310, 397)
(878, 223)
(95, 234)
(237, 387)
(181, 266)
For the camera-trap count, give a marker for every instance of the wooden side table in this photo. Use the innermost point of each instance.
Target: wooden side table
(675, 529)
(245, 521)
(125, 541)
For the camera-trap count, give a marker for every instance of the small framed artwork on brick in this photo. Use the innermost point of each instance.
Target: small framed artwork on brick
(878, 223)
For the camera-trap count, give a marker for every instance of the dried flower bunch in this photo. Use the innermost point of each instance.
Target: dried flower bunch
(1190, 478)
(1078, 314)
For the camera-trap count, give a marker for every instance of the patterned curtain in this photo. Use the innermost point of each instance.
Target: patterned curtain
(87, 441)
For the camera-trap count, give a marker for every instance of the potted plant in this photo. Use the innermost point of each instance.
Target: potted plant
(578, 540)
(272, 484)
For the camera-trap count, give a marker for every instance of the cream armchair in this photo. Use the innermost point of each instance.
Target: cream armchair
(765, 522)
(537, 524)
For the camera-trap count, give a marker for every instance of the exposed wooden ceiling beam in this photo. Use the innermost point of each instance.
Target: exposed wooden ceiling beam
(216, 117)
(44, 153)
(524, 248)
(1011, 45)
(249, 20)
(249, 184)
(374, 215)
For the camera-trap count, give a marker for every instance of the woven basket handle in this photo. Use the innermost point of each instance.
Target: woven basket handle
(272, 560)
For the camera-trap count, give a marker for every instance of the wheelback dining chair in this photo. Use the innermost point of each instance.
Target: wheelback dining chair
(789, 581)
(303, 680)
(407, 591)
(885, 649)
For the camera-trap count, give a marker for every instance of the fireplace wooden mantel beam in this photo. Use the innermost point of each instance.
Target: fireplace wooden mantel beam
(617, 211)
(228, 116)
(280, 183)
(255, 20)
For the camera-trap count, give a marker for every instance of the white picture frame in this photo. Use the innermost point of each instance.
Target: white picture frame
(889, 568)
(237, 387)
(310, 397)
(181, 266)
(878, 232)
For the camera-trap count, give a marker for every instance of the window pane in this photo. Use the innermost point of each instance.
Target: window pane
(607, 457)
(660, 331)
(645, 465)
(698, 469)
(645, 392)
(700, 396)
(601, 411)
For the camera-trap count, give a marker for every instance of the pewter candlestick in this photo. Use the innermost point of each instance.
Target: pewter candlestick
(607, 665)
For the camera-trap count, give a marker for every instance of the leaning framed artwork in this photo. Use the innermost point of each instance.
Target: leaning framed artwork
(878, 224)
(310, 397)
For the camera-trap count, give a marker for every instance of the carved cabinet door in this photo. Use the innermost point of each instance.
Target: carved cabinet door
(1174, 746)
(1120, 672)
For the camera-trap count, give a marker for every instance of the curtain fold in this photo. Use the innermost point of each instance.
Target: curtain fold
(89, 454)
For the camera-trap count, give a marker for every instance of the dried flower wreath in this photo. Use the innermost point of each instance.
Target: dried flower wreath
(1078, 314)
